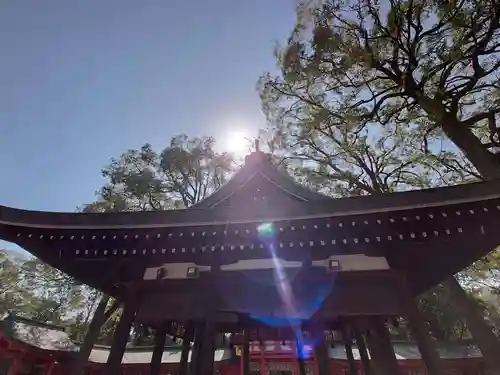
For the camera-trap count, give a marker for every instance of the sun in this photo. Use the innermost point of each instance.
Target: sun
(237, 142)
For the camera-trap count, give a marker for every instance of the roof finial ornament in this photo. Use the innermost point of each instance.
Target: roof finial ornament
(257, 148)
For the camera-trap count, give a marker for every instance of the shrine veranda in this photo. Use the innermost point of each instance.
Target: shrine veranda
(264, 256)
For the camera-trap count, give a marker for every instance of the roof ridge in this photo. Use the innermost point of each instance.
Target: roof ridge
(261, 163)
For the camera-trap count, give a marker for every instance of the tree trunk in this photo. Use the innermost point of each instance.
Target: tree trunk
(88, 343)
(471, 146)
(482, 334)
(426, 344)
(489, 168)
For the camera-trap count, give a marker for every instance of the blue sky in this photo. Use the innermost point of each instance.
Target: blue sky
(82, 81)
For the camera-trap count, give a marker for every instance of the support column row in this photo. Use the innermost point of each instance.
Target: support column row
(374, 334)
(383, 359)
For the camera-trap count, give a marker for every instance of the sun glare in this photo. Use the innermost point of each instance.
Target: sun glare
(237, 142)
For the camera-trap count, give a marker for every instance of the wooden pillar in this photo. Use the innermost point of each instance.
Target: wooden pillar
(425, 342)
(350, 358)
(186, 347)
(208, 346)
(156, 359)
(300, 357)
(14, 366)
(376, 360)
(262, 363)
(245, 353)
(195, 355)
(363, 352)
(242, 362)
(207, 349)
(346, 337)
(120, 338)
(50, 366)
(382, 352)
(321, 348)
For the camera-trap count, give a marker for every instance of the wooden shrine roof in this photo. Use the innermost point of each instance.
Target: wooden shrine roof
(257, 193)
(427, 234)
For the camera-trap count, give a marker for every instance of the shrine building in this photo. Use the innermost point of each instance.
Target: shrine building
(265, 259)
(30, 347)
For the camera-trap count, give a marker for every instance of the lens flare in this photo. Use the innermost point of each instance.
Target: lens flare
(267, 235)
(296, 308)
(266, 230)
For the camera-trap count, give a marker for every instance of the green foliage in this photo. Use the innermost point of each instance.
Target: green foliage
(108, 328)
(83, 315)
(182, 174)
(324, 134)
(341, 161)
(11, 294)
(53, 294)
(344, 125)
(37, 291)
(426, 63)
(439, 310)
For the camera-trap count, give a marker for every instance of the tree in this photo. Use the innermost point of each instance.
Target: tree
(192, 169)
(430, 63)
(338, 159)
(35, 290)
(54, 294)
(430, 66)
(342, 161)
(12, 295)
(182, 174)
(438, 309)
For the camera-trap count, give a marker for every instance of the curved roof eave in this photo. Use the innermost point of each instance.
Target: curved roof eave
(467, 193)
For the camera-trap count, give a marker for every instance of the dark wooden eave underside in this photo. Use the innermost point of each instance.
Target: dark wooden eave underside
(425, 263)
(299, 297)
